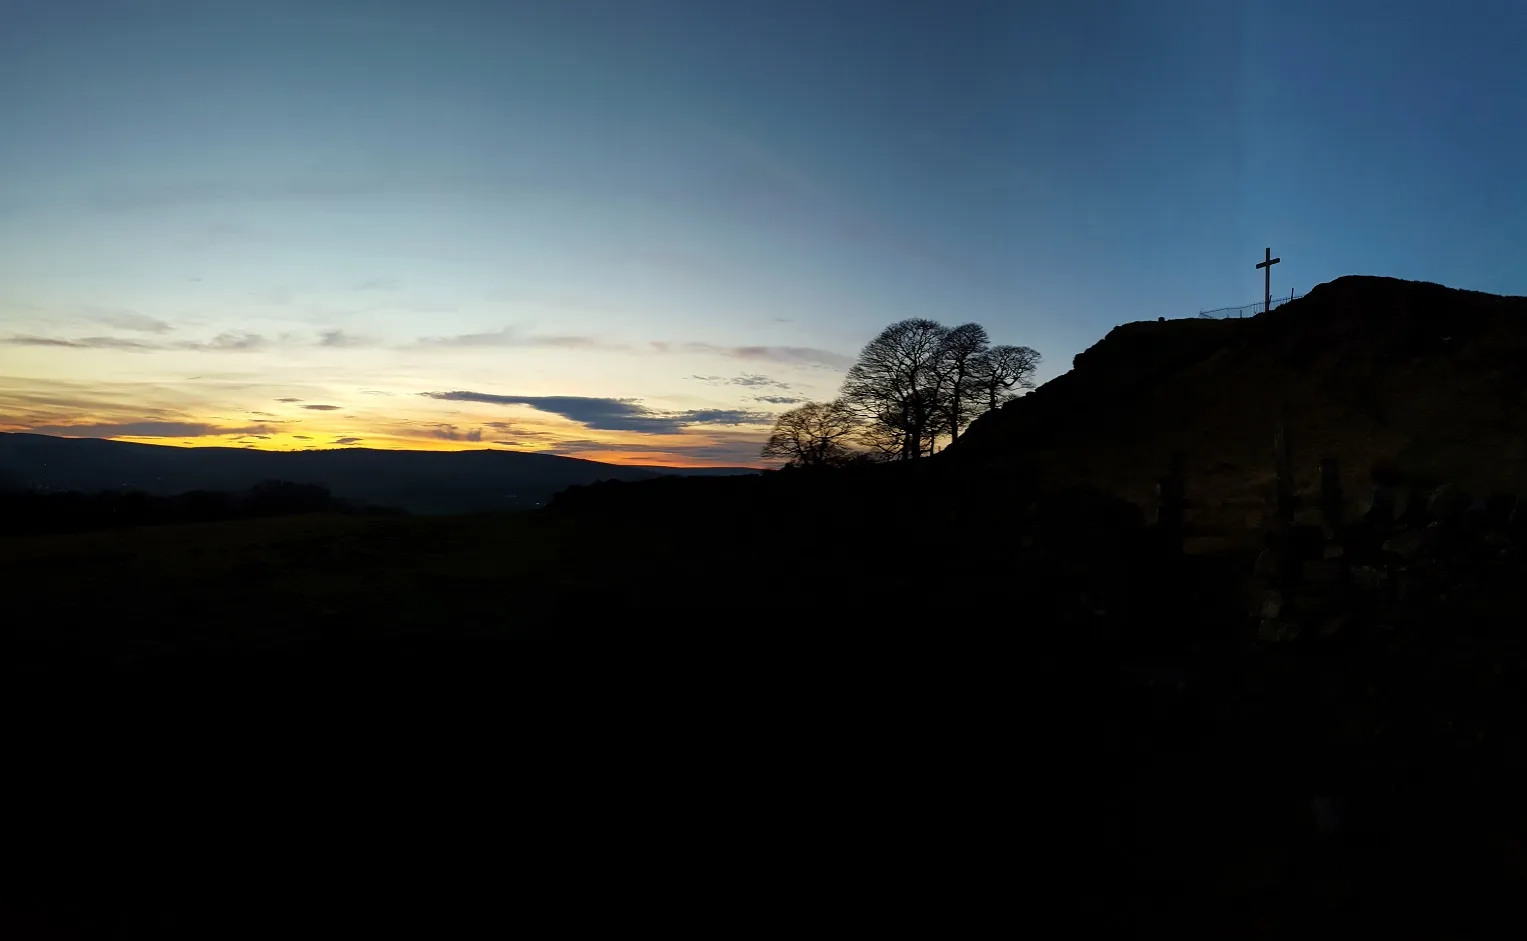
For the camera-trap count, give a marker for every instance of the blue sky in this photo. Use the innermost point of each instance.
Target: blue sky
(692, 207)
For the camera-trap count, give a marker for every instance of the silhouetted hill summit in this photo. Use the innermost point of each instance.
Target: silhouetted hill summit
(1411, 375)
(417, 481)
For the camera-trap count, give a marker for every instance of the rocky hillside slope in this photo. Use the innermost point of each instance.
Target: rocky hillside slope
(1377, 372)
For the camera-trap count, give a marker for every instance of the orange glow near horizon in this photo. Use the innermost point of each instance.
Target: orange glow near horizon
(384, 442)
(259, 415)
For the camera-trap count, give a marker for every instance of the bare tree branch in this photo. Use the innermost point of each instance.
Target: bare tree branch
(1002, 372)
(959, 396)
(918, 381)
(814, 434)
(895, 382)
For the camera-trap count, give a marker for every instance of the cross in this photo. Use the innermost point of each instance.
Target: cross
(1266, 267)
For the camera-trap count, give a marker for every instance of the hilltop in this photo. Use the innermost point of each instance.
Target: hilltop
(417, 481)
(1421, 379)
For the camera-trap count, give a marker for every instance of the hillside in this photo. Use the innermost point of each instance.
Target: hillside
(1415, 376)
(417, 481)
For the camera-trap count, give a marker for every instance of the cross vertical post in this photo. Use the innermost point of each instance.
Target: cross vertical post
(1266, 266)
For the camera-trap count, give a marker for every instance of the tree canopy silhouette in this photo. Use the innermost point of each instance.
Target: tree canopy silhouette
(895, 385)
(965, 349)
(1002, 372)
(918, 381)
(814, 434)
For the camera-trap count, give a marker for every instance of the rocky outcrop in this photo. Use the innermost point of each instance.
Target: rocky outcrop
(1418, 381)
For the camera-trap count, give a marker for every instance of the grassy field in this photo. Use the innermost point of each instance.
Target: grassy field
(759, 674)
(251, 585)
(542, 683)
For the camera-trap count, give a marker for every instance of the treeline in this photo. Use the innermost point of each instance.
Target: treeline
(33, 512)
(917, 384)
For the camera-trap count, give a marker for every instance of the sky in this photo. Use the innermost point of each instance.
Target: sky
(636, 230)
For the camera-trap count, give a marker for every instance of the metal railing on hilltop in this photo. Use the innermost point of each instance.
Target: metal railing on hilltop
(1244, 310)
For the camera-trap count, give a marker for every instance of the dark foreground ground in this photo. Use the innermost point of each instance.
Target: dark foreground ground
(749, 713)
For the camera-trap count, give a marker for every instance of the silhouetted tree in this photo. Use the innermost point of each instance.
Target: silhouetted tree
(885, 439)
(919, 380)
(959, 359)
(894, 387)
(998, 373)
(814, 434)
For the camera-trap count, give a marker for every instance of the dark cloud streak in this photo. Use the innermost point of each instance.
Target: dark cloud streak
(452, 433)
(747, 380)
(340, 340)
(596, 413)
(603, 414)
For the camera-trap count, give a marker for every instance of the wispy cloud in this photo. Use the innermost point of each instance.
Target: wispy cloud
(83, 343)
(323, 408)
(288, 400)
(222, 343)
(724, 416)
(348, 440)
(231, 342)
(228, 342)
(511, 428)
(799, 355)
(150, 429)
(748, 380)
(786, 355)
(778, 399)
(339, 339)
(452, 433)
(510, 336)
(63, 401)
(603, 414)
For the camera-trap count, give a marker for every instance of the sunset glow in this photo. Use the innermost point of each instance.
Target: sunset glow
(641, 233)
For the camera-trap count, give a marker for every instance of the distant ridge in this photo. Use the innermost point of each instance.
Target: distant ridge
(417, 481)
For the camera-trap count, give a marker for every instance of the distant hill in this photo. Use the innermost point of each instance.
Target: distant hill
(417, 481)
(1424, 379)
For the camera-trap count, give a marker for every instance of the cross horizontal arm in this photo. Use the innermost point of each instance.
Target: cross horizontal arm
(1264, 264)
